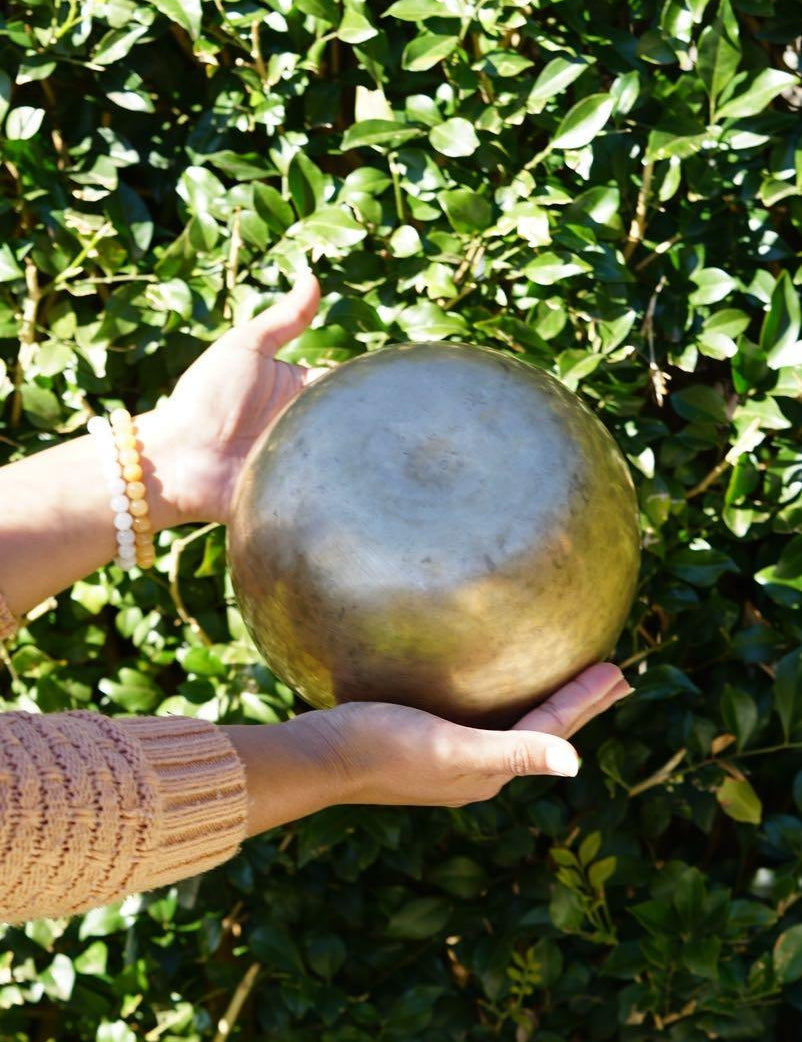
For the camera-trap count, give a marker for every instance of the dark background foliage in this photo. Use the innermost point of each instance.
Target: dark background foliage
(607, 190)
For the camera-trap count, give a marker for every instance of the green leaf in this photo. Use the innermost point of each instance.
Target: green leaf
(115, 1031)
(9, 268)
(548, 268)
(589, 848)
(426, 50)
(713, 285)
(355, 28)
(719, 51)
(5, 94)
(378, 132)
(422, 917)
(326, 955)
(460, 876)
(583, 122)
(739, 801)
(466, 211)
(699, 403)
(23, 122)
(739, 712)
(328, 227)
(326, 10)
(418, 10)
(700, 567)
(132, 691)
(787, 955)
(274, 946)
(601, 871)
(200, 189)
(763, 89)
(779, 334)
(59, 978)
(274, 210)
(186, 13)
(558, 74)
(788, 690)
(41, 406)
(428, 321)
(454, 138)
(117, 43)
(702, 955)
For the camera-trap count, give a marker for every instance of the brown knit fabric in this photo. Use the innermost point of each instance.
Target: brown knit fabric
(93, 809)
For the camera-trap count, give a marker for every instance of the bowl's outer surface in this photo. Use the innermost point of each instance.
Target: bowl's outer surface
(436, 525)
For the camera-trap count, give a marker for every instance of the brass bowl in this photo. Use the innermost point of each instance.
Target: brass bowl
(436, 525)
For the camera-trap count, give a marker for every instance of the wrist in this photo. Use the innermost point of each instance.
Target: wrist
(163, 463)
(291, 769)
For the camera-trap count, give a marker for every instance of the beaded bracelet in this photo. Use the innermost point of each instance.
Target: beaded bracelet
(123, 472)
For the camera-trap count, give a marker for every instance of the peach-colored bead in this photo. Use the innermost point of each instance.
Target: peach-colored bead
(135, 490)
(143, 538)
(142, 524)
(145, 560)
(125, 440)
(120, 419)
(127, 456)
(132, 472)
(138, 507)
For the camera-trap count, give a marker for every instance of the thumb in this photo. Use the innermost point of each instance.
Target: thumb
(282, 322)
(518, 753)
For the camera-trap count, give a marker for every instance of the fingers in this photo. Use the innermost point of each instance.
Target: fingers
(575, 703)
(518, 753)
(282, 322)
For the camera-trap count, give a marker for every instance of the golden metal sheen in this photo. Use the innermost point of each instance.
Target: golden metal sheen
(437, 525)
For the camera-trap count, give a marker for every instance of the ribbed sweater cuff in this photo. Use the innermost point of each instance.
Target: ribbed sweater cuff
(201, 796)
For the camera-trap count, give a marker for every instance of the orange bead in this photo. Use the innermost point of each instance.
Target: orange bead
(125, 440)
(138, 507)
(143, 538)
(145, 560)
(135, 490)
(132, 472)
(142, 524)
(126, 456)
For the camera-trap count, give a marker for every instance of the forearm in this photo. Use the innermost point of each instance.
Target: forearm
(56, 523)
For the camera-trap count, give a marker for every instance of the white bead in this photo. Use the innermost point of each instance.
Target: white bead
(127, 560)
(119, 504)
(116, 486)
(125, 565)
(126, 538)
(111, 470)
(123, 521)
(98, 425)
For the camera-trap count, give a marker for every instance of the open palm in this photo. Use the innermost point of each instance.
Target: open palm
(229, 396)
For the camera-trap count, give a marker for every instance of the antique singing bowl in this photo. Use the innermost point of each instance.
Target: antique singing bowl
(436, 525)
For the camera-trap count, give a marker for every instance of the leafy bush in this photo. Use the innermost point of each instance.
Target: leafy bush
(608, 190)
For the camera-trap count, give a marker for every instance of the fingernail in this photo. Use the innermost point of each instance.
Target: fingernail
(622, 689)
(562, 760)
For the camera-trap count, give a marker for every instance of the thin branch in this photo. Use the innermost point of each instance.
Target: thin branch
(232, 264)
(661, 775)
(256, 51)
(638, 226)
(641, 655)
(27, 337)
(229, 1018)
(176, 550)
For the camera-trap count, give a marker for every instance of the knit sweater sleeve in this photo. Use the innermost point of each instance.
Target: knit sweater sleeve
(94, 808)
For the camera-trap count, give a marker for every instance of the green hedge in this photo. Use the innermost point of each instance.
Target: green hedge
(608, 190)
